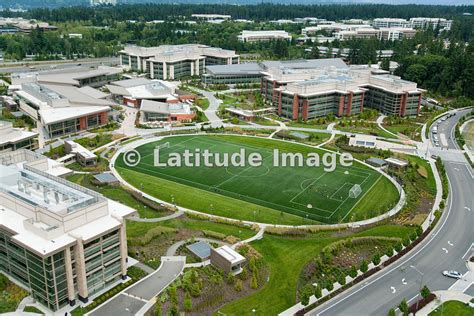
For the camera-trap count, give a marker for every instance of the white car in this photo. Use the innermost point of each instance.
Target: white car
(452, 274)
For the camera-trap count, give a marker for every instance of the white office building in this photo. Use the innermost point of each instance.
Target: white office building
(60, 241)
(263, 36)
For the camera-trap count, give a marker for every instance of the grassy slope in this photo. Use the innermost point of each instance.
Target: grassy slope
(286, 257)
(137, 229)
(373, 129)
(116, 193)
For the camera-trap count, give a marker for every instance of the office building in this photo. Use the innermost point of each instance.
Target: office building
(16, 138)
(62, 109)
(390, 22)
(308, 89)
(422, 23)
(173, 62)
(247, 73)
(263, 36)
(153, 111)
(60, 241)
(131, 92)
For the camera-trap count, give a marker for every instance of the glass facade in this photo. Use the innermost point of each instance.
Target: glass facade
(45, 277)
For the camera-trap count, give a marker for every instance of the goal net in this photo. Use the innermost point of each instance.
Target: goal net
(164, 145)
(355, 191)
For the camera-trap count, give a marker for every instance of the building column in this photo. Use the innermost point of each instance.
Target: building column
(196, 68)
(341, 106)
(82, 123)
(295, 107)
(419, 104)
(349, 104)
(81, 271)
(165, 71)
(362, 102)
(403, 104)
(171, 74)
(152, 70)
(279, 103)
(69, 277)
(273, 92)
(305, 109)
(123, 249)
(192, 68)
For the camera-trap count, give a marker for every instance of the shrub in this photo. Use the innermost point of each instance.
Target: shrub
(305, 294)
(158, 311)
(391, 312)
(403, 306)
(188, 303)
(341, 279)
(330, 285)
(244, 275)
(364, 266)
(398, 247)
(376, 259)
(213, 234)
(353, 272)
(238, 285)
(425, 292)
(318, 292)
(254, 282)
(389, 252)
(230, 278)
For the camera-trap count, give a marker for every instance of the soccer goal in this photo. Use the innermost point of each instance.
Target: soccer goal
(355, 191)
(164, 145)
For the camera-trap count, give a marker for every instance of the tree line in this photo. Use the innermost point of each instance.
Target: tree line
(261, 12)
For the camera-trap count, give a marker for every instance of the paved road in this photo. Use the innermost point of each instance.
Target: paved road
(49, 65)
(447, 248)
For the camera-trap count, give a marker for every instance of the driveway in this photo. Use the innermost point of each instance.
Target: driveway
(134, 298)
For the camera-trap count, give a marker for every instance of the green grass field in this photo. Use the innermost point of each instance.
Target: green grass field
(306, 192)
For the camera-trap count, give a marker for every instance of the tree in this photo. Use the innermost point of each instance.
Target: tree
(305, 294)
(314, 54)
(425, 292)
(403, 306)
(353, 272)
(318, 292)
(364, 266)
(188, 303)
(385, 64)
(391, 312)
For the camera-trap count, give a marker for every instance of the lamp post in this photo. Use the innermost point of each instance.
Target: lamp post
(421, 281)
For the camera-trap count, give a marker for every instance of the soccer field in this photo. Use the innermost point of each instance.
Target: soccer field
(308, 192)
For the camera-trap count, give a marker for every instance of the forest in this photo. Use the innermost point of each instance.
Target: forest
(440, 61)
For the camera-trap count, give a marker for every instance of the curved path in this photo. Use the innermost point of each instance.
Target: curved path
(372, 220)
(447, 247)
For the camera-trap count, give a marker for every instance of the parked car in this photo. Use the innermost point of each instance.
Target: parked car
(452, 274)
(434, 157)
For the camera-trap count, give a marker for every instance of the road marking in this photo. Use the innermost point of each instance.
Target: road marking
(404, 282)
(445, 250)
(435, 233)
(456, 169)
(467, 251)
(450, 243)
(467, 208)
(394, 290)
